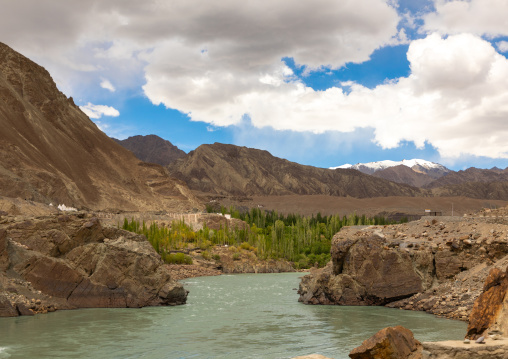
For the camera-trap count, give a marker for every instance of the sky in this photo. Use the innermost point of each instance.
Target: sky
(321, 82)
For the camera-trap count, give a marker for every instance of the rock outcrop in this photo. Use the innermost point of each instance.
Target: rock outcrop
(72, 261)
(492, 349)
(490, 309)
(485, 338)
(389, 343)
(430, 265)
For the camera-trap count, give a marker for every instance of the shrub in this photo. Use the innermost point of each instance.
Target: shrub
(206, 255)
(248, 247)
(236, 256)
(177, 258)
(216, 257)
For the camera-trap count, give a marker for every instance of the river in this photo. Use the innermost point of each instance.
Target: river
(229, 316)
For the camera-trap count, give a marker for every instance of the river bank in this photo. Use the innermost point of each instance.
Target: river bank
(437, 265)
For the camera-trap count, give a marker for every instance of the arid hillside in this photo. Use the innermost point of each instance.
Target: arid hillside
(239, 171)
(404, 174)
(50, 151)
(152, 149)
(470, 175)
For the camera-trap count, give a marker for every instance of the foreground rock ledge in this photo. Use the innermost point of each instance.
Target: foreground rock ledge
(72, 261)
(392, 342)
(492, 349)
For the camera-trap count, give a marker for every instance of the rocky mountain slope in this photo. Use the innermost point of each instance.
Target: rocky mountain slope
(479, 190)
(415, 172)
(470, 175)
(239, 171)
(50, 151)
(72, 261)
(152, 149)
(404, 174)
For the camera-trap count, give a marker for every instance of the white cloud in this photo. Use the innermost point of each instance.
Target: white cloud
(116, 38)
(97, 111)
(480, 17)
(456, 99)
(502, 46)
(218, 61)
(106, 84)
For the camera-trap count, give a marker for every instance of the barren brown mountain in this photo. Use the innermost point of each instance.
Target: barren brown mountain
(404, 174)
(152, 149)
(470, 175)
(50, 151)
(480, 190)
(239, 171)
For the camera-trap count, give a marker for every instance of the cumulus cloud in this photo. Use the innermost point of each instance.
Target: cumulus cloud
(502, 46)
(226, 38)
(454, 97)
(480, 17)
(221, 61)
(97, 111)
(106, 84)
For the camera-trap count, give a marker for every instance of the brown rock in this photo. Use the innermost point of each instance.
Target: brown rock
(4, 257)
(389, 343)
(24, 310)
(71, 264)
(6, 308)
(447, 264)
(365, 274)
(487, 307)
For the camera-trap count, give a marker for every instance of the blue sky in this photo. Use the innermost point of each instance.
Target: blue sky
(321, 83)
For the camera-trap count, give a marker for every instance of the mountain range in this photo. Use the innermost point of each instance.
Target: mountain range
(51, 152)
(417, 165)
(241, 171)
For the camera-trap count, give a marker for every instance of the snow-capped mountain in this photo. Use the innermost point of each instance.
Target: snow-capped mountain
(418, 165)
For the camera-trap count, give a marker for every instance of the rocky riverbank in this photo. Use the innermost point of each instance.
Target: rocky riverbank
(227, 260)
(437, 265)
(64, 261)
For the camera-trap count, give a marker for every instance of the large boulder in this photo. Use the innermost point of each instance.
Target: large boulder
(490, 310)
(367, 272)
(64, 262)
(389, 343)
(7, 309)
(438, 267)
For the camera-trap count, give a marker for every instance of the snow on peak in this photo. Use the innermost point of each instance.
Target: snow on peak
(381, 165)
(422, 163)
(347, 165)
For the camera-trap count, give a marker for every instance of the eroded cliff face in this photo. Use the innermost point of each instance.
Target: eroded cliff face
(435, 266)
(72, 261)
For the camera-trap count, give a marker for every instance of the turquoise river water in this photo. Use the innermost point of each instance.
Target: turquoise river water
(230, 316)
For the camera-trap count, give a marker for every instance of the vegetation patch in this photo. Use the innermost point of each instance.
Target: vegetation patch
(304, 241)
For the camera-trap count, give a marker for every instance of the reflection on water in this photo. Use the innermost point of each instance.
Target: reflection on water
(233, 316)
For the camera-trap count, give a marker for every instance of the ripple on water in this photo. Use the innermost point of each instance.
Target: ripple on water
(233, 316)
(3, 352)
